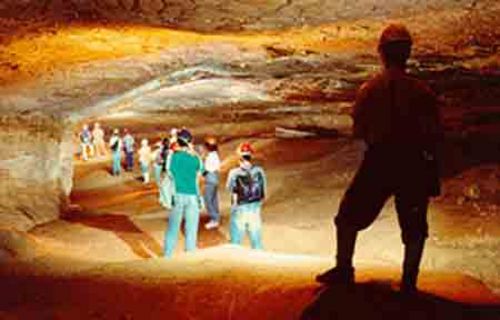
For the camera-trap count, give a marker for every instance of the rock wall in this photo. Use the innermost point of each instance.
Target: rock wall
(36, 169)
(209, 15)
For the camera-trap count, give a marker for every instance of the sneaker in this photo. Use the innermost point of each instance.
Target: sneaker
(336, 276)
(212, 224)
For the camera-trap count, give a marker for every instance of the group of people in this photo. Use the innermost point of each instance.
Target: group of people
(394, 114)
(181, 167)
(178, 168)
(92, 142)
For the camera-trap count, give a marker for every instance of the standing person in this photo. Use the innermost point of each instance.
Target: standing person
(128, 147)
(397, 117)
(98, 139)
(184, 167)
(247, 185)
(164, 179)
(211, 175)
(173, 145)
(158, 161)
(115, 144)
(145, 158)
(86, 142)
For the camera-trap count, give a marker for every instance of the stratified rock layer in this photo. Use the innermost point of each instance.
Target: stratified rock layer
(36, 169)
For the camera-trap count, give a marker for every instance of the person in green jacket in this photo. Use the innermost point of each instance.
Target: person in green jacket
(185, 166)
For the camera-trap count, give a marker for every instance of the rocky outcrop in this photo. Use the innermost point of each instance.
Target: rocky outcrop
(36, 169)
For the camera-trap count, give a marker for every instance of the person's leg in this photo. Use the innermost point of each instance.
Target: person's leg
(85, 156)
(235, 225)
(116, 163)
(412, 218)
(210, 197)
(174, 225)
(157, 171)
(255, 227)
(129, 160)
(104, 151)
(163, 194)
(100, 150)
(91, 150)
(358, 208)
(216, 202)
(192, 222)
(97, 148)
(144, 172)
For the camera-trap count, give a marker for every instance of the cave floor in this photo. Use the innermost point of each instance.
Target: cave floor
(104, 258)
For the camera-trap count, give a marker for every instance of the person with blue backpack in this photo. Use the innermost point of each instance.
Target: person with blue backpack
(247, 185)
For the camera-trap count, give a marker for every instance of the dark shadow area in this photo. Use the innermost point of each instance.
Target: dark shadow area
(375, 300)
(462, 153)
(470, 112)
(140, 242)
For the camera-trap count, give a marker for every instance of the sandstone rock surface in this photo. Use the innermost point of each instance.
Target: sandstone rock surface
(36, 169)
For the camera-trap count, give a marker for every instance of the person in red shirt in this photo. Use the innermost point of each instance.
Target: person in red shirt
(397, 117)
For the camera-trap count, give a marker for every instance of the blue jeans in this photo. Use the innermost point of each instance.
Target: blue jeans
(187, 207)
(246, 217)
(211, 196)
(144, 168)
(129, 160)
(117, 166)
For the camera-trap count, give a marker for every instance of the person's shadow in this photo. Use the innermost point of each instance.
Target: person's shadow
(378, 301)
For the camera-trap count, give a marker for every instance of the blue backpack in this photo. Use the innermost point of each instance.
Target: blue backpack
(249, 186)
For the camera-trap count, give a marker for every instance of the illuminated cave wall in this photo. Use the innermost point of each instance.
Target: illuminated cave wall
(36, 169)
(36, 150)
(223, 14)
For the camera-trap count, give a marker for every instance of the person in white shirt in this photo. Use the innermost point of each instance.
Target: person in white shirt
(145, 157)
(98, 139)
(212, 167)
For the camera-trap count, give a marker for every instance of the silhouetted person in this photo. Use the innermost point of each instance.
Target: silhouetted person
(397, 117)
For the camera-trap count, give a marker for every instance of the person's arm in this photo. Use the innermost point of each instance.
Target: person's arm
(230, 184)
(264, 183)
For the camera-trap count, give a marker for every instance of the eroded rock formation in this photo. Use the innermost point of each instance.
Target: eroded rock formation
(36, 169)
(35, 159)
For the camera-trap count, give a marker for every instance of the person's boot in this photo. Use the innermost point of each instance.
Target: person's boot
(343, 272)
(411, 264)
